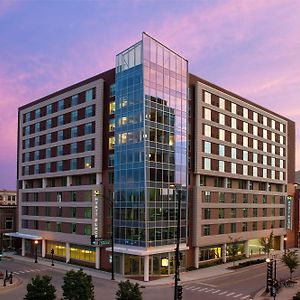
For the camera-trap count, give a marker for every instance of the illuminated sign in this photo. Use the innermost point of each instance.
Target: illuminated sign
(288, 209)
(96, 208)
(164, 262)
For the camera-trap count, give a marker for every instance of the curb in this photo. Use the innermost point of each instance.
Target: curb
(17, 282)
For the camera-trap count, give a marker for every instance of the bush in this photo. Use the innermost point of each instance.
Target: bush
(129, 291)
(40, 288)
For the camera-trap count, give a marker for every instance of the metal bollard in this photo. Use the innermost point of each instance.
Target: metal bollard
(11, 278)
(4, 282)
(6, 274)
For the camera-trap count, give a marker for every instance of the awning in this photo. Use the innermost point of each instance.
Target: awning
(24, 236)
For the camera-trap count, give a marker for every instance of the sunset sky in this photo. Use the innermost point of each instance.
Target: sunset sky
(249, 47)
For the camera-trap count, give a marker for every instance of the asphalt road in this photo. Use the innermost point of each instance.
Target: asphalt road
(239, 285)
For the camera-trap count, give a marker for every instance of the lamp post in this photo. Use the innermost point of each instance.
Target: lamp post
(35, 245)
(177, 261)
(268, 260)
(284, 244)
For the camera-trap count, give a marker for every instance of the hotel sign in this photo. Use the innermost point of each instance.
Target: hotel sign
(96, 211)
(288, 209)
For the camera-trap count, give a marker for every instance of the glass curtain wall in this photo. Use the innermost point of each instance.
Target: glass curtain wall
(151, 144)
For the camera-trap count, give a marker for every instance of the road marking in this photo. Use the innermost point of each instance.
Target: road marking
(27, 271)
(16, 273)
(207, 291)
(195, 288)
(248, 296)
(207, 284)
(202, 290)
(223, 293)
(189, 287)
(216, 291)
(238, 295)
(230, 294)
(21, 272)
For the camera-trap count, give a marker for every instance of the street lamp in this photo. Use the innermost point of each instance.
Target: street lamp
(35, 245)
(284, 244)
(268, 260)
(177, 255)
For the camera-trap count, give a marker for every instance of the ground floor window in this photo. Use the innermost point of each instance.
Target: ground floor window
(58, 247)
(82, 253)
(210, 253)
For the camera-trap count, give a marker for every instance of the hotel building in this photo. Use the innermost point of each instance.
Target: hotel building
(140, 136)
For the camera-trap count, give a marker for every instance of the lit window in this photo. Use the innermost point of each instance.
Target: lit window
(280, 175)
(221, 134)
(273, 136)
(233, 123)
(273, 149)
(255, 157)
(207, 164)
(255, 116)
(88, 162)
(233, 168)
(207, 97)
(281, 163)
(281, 139)
(207, 114)
(111, 142)
(273, 124)
(265, 173)
(273, 174)
(245, 155)
(221, 150)
(221, 103)
(255, 130)
(112, 107)
(245, 112)
(273, 161)
(265, 159)
(233, 138)
(233, 108)
(281, 151)
(245, 170)
(207, 130)
(245, 141)
(222, 119)
(265, 120)
(281, 127)
(265, 147)
(207, 147)
(265, 133)
(245, 127)
(255, 144)
(111, 125)
(221, 166)
(233, 153)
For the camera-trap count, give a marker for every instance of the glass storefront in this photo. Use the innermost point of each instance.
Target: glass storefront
(82, 253)
(58, 247)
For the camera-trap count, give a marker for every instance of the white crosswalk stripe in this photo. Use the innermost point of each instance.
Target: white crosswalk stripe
(216, 291)
(248, 296)
(223, 293)
(207, 291)
(230, 294)
(238, 295)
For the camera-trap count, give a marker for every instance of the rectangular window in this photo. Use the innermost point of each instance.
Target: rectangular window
(61, 105)
(206, 213)
(206, 230)
(73, 227)
(207, 147)
(254, 226)
(37, 127)
(221, 134)
(244, 226)
(9, 223)
(255, 212)
(207, 130)
(221, 150)
(112, 107)
(233, 108)
(88, 145)
(48, 167)
(27, 117)
(233, 153)
(255, 116)
(74, 116)
(233, 198)
(73, 148)
(74, 132)
(221, 213)
(221, 228)
(74, 100)
(88, 162)
(222, 119)
(207, 97)
(89, 111)
(111, 125)
(221, 197)
(207, 196)
(233, 168)
(233, 227)
(221, 166)
(245, 212)
(87, 229)
(245, 112)
(60, 135)
(59, 166)
(88, 128)
(233, 123)
(233, 138)
(111, 142)
(221, 103)
(58, 226)
(89, 95)
(49, 109)
(112, 90)
(111, 160)
(37, 113)
(60, 150)
(233, 213)
(73, 164)
(60, 120)
(48, 123)
(207, 164)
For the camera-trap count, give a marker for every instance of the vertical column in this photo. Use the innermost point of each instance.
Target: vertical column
(246, 247)
(98, 178)
(146, 268)
(44, 183)
(224, 258)
(196, 257)
(67, 252)
(282, 243)
(23, 247)
(98, 258)
(68, 180)
(43, 247)
(23, 185)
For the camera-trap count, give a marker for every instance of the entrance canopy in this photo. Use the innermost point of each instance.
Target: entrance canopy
(24, 236)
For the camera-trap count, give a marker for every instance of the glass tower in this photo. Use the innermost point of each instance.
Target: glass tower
(150, 145)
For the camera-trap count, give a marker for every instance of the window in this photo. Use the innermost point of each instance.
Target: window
(273, 124)
(207, 114)
(37, 113)
(27, 117)
(88, 128)
(244, 226)
(111, 125)
(245, 155)
(89, 95)
(87, 230)
(37, 155)
(9, 223)
(73, 228)
(206, 230)
(26, 157)
(48, 123)
(228, 183)
(245, 127)
(60, 120)
(73, 148)
(73, 196)
(245, 198)
(233, 108)
(88, 162)
(255, 144)
(74, 132)
(89, 111)
(74, 116)
(233, 138)
(255, 116)
(221, 166)
(255, 198)
(36, 169)
(207, 163)
(221, 228)
(221, 213)
(233, 227)
(221, 150)
(255, 212)
(88, 212)
(233, 123)
(233, 213)
(74, 100)
(254, 226)
(207, 147)
(207, 97)
(233, 153)
(207, 130)
(221, 197)
(60, 150)
(60, 135)
(221, 103)
(245, 170)
(245, 212)
(73, 164)
(48, 167)
(36, 127)
(221, 134)
(111, 142)
(59, 166)
(265, 133)
(207, 196)
(49, 109)
(265, 212)
(61, 105)
(88, 145)
(112, 90)
(255, 130)
(112, 107)
(233, 168)
(233, 198)
(111, 160)
(245, 112)
(206, 213)
(255, 158)
(58, 226)
(222, 119)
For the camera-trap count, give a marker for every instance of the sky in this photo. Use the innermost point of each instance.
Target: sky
(249, 47)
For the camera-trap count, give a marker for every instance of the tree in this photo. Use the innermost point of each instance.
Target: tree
(267, 243)
(77, 286)
(40, 288)
(233, 249)
(129, 291)
(291, 260)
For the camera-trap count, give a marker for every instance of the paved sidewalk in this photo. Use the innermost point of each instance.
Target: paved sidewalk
(16, 282)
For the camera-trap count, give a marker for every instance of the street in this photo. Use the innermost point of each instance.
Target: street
(241, 284)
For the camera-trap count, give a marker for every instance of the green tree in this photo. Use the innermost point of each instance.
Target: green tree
(40, 288)
(77, 286)
(291, 260)
(267, 243)
(129, 291)
(233, 249)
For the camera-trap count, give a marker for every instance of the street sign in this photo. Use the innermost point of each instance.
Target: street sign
(103, 242)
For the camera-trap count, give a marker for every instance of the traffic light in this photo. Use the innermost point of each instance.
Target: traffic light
(180, 256)
(52, 251)
(270, 270)
(93, 239)
(179, 292)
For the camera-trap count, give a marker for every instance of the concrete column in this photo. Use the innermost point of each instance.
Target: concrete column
(98, 178)
(68, 180)
(67, 252)
(146, 268)
(23, 184)
(23, 247)
(224, 257)
(196, 257)
(246, 249)
(98, 258)
(282, 243)
(43, 247)
(44, 183)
